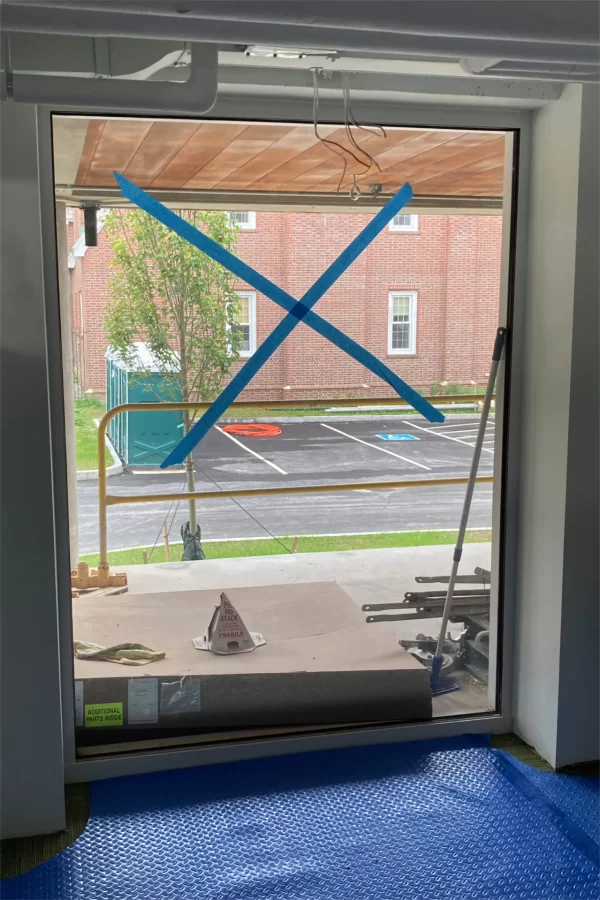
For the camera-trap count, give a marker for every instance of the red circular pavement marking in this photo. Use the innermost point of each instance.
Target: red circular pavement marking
(251, 429)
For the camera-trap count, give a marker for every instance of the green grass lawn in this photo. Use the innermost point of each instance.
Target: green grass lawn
(86, 434)
(232, 549)
(264, 412)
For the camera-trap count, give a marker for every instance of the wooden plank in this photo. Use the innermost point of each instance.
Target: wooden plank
(116, 148)
(376, 147)
(249, 144)
(477, 155)
(304, 162)
(432, 142)
(404, 171)
(205, 143)
(285, 149)
(445, 184)
(161, 144)
(485, 181)
(93, 135)
(334, 169)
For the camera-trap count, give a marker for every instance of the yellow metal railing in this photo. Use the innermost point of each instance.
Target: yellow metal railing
(105, 500)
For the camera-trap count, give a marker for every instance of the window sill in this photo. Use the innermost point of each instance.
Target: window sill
(399, 354)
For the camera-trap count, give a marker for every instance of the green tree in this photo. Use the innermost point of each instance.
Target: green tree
(179, 301)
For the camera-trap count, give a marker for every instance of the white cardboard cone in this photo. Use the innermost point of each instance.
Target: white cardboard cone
(226, 633)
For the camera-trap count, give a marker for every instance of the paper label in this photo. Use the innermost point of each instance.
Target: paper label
(103, 714)
(79, 704)
(142, 700)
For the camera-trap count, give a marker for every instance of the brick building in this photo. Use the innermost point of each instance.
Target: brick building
(423, 297)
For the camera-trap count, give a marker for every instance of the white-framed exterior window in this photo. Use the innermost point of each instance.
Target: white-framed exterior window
(243, 219)
(245, 325)
(404, 222)
(402, 322)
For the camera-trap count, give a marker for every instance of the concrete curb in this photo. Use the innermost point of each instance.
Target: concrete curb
(115, 469)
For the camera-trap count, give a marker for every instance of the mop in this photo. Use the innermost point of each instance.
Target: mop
(438, 684)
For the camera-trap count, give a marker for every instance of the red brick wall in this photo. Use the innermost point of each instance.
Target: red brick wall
(452, 262)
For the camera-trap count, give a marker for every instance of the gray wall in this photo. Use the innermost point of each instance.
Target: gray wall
(578, 734)
(32, 799)
(556, 659)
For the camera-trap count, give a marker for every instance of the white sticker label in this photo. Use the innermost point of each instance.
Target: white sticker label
(142, 697)
(79, 704)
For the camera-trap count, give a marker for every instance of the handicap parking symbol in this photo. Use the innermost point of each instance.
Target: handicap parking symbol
(398, 437)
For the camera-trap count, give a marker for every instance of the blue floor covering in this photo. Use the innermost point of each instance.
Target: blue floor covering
(442, 820)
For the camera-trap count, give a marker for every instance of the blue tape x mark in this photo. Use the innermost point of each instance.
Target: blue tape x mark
(298, 311)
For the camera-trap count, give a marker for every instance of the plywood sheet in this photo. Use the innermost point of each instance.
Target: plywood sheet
(308, 628)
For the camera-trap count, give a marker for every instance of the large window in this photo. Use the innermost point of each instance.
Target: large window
(402, 322)
(404, 222)
(243, 219)
(246, 322)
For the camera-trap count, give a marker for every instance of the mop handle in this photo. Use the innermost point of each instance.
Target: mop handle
(497, 353)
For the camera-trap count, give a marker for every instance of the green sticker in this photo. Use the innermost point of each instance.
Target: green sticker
(103, 714)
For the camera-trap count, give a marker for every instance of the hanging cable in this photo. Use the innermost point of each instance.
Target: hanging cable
(349, 120)
(248, 513)
(338, 149)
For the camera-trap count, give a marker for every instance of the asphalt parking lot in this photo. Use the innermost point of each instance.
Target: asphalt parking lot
(310, 452)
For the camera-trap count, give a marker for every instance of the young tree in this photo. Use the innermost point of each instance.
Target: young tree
(179, 301)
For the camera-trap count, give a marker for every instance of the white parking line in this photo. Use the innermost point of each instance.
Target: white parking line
(462, 424)
(447, 436)
(375, 447)
(469, 435)
(248, 450)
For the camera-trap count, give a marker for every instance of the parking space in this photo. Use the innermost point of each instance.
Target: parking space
(315, 452)
(321, 452)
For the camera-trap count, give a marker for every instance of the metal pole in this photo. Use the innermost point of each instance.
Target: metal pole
(103, 535)
(62, 253)
(116, 499)
(497, 353)
(167, 546)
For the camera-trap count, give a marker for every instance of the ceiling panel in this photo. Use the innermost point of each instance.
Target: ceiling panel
(289, 158)
(161, 144)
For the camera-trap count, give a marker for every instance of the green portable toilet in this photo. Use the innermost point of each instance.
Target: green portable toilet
(142, 438)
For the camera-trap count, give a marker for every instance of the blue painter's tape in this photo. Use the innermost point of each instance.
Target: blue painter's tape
(279, 296)
(298, 310)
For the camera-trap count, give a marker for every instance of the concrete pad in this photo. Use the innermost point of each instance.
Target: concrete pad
(367, 576)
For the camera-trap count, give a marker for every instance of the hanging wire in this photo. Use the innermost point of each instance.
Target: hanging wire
(349, 119)
(339, 149)
(244, 510)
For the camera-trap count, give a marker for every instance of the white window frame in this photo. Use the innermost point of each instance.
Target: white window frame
(412, 226)
(251, 295)
(412, 348)
(250, 225)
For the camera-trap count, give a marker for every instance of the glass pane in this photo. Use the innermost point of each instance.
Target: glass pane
(244, 333)
(403, 314)
(401, 308)
(243, 316)
(400, 337)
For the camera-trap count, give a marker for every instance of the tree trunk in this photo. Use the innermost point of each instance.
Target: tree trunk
(189, 471)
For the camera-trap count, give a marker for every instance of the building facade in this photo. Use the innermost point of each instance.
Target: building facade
(423, 297)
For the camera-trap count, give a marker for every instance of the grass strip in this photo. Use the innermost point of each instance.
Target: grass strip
(251, 547)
